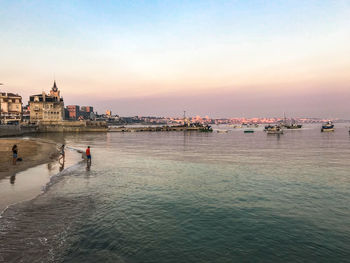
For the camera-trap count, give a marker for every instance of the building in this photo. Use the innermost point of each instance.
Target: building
(108, 113)
(87, 108)
(86, 112)
(25, 113)
(73, 112)
(47, 107)
(10, 108)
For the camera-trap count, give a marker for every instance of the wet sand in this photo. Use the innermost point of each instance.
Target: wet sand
(33, 153)
(28, 184)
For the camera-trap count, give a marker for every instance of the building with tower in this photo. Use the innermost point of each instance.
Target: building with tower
(47, 107)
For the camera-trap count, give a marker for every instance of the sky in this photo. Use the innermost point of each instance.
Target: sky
(248, 58)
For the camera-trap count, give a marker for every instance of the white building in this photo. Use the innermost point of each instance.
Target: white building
(10, 108)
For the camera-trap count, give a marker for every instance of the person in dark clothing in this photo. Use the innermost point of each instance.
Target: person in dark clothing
(62, 154)
(14, 154)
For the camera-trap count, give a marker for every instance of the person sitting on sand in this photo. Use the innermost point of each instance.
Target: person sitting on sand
(62, 154)
(14, 154)
(88, 156)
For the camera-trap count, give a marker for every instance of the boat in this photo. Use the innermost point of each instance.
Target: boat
(268, 127)
(293, 126)
(206, 128)
(248, 131)
(274, 130)
(222, 131)
(327, 127)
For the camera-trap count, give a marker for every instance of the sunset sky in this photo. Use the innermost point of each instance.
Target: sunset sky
(217, 58)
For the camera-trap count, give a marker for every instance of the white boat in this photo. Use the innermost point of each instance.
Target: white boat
(327, 127)
(274, 130)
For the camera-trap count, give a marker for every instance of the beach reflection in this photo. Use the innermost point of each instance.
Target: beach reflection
(61, 167)
(13, 179)
(27, 184)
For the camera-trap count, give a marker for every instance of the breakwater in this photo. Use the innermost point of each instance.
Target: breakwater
(87, 126)
(155, 129)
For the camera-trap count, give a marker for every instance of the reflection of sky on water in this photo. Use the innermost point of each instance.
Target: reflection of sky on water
(29, 183)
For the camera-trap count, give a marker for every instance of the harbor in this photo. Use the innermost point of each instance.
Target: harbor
(199, 128)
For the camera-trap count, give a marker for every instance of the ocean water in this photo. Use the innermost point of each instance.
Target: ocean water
(191, 197)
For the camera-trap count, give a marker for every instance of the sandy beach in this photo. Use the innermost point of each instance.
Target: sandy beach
(31, 151)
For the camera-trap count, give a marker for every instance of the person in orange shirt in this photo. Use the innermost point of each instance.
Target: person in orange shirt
(88, 155)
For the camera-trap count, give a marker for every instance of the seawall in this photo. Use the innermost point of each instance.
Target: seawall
(73, 126)
(16, 130)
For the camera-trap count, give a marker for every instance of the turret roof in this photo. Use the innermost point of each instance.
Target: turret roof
(54, 86)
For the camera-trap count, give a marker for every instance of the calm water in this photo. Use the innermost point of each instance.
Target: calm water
(191, 197)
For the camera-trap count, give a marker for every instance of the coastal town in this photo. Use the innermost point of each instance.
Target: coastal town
(47, 112)
(193, 131)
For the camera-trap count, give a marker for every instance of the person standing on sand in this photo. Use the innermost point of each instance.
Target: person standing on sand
(14, 154)
(88, 156)
(62, 154)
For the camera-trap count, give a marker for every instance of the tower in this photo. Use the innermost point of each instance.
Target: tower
(54, 92)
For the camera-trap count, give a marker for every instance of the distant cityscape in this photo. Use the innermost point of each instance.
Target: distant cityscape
(50, 107)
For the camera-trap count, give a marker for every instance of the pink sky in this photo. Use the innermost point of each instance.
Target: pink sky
(232, 60)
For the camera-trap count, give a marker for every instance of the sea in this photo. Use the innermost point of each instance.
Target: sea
(190, 197)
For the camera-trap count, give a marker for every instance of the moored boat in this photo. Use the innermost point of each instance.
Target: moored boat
(206, 128)
(268, 127)
(248, 131)
(327, 127)
(274, 130)
(293, 126)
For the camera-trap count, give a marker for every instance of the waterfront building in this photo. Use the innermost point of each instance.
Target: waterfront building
(108, 113)
(87, 109)
(10, 108)
(87, 112)
(73, 112)
(47, 107)
(25, 113)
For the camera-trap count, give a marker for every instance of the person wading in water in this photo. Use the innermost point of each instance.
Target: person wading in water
(62, 154)
(88, 156)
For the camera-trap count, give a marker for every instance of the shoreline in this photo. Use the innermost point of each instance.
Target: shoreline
(33, 152)
(27, 184)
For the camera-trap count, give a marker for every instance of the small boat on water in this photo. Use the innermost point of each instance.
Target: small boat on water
(248, 131)
(293, 126)
(206, 128)
(267, 127)
(274, 130)
(222, 131)
(290, 124)
(327, 127)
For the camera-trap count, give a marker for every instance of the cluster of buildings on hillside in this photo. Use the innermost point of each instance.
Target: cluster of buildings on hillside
(41, 107)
